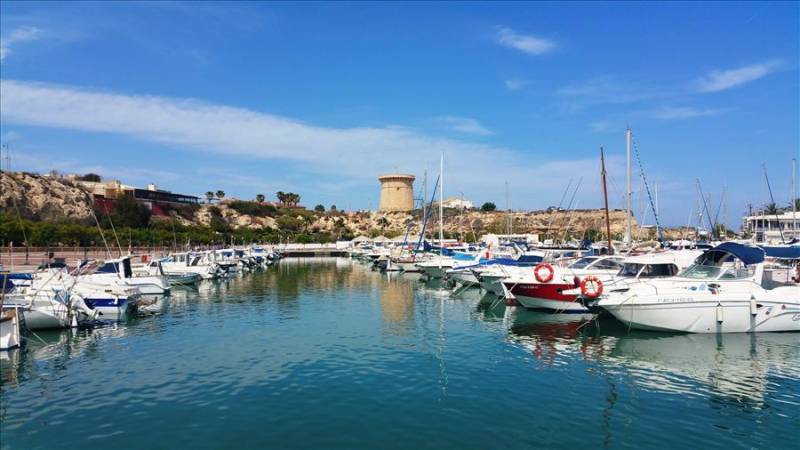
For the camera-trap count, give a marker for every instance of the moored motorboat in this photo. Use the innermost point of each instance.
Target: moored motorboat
(720, 293)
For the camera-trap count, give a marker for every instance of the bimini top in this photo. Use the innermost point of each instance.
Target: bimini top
(783, 252)
(748, 255)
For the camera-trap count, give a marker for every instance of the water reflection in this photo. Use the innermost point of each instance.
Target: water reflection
(554, 339)
(739, 366)
(397, 303)
(333, 320)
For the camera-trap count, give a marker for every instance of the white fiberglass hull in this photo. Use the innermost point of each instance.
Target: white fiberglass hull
(41, 317)
(723, 314)
(464, 277)
(9, 330)
(493, 284)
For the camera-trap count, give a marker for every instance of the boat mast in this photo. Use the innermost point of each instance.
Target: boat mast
(424, 197)
(657, 227)
(627, 238)
(794, 198)
(441, 204)
(605, 198)
(772, 199)
(508, 211)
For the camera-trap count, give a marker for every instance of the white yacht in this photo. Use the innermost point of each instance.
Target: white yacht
(720, 293)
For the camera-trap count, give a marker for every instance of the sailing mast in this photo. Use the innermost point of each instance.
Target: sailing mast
(628, 195)
(424, 196)
(657, 226)
(794, 198)
(508, 211)
(605, 198)
(441, 204)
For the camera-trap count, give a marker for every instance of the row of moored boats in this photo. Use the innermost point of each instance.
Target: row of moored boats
(57, 296)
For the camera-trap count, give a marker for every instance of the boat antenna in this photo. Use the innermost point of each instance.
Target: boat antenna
(772, 199)
(605, 199)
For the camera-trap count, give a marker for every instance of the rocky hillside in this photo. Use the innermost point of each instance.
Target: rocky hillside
(39, 197)
(48, 199)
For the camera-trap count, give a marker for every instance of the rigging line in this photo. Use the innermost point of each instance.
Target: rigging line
(647, 188)
(705, 208)
(119, 246)
(769, 188)
(102, 235)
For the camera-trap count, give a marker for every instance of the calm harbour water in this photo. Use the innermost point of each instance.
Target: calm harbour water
(324, 353)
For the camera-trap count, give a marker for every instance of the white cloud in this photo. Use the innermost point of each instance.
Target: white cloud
(720, 80)
(515, 84)
(601, 126)
(357, 153)
(22, 34)
(465, 125)
(531, 45)
(687, 112)
(609, 90)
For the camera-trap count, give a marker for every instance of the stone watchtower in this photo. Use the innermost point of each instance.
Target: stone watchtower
(397, 192)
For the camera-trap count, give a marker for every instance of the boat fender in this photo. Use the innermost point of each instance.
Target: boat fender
(720, 313)
(591, 287)
(538, 275)
(753, 306)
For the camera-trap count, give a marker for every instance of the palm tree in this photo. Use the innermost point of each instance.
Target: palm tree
(281, 197)
(383, 222)
(220, 195)
(771, 209)
(209, 196)
(260, 198)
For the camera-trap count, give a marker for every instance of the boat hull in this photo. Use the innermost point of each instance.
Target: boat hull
(9, 329)
(434, 271)
(709, 316)
(548, 296)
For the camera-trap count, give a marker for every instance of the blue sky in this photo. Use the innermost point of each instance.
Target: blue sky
(319, 98)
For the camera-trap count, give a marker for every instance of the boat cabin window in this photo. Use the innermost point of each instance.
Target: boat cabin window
(583, 263)
(649, 270)
(607, 264)
(109, 267)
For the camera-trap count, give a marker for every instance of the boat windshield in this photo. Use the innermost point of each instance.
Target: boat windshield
(582, 263)
(718, 265)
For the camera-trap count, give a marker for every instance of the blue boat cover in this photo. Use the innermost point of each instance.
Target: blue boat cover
(748, 255)
(17, 276)
(783, 252)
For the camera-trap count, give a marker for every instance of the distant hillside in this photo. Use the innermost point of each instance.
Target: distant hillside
(43, 198)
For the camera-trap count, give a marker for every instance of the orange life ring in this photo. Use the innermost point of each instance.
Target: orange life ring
(538, 275)
(591, 287)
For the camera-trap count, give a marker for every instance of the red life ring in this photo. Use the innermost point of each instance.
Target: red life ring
(538, 275)
(591, 287)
